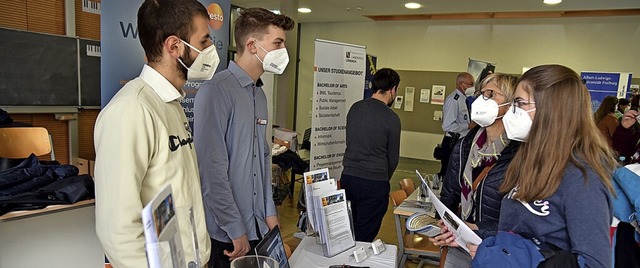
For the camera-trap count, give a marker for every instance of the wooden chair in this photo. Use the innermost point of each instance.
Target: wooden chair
(407, 185)
(397, 197)
(413, 244)
(20, 142)
(287, 250)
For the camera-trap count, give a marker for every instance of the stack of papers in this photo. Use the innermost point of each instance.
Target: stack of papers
(334, 223)
(463, 234)
(328, 212)
(316, 182)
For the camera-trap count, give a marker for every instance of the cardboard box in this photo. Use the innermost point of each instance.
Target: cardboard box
(92, 166)
(83, 166)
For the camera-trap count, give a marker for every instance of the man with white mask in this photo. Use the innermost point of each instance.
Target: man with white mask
(455, 118)
(230, 121)
(143, 140)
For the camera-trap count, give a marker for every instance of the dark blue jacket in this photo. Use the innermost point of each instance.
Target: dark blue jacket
(30, 175)
(486, 207)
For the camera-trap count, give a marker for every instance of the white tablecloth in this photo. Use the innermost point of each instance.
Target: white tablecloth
(309, 255)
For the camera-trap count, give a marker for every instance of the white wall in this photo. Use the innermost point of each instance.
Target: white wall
(607, 44)
(418, 145)
(60, 239)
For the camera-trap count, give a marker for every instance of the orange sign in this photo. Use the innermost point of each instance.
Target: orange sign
(215, 15)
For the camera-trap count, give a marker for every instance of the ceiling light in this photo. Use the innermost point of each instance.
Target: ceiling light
(275, 11)
(412, 5)
(304, 10)
(552, 2)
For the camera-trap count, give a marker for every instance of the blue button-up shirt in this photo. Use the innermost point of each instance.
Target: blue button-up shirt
(230, 122)
(455, 116)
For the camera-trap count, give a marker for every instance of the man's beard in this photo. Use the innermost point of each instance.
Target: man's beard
(188, 61)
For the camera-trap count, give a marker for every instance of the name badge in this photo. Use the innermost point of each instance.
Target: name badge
(261, 121)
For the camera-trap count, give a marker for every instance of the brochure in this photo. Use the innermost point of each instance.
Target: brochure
(462, 232)
(334, 223)
(162, 238)
(316, 182)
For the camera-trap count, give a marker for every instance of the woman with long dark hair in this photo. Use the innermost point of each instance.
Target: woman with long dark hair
(605, 117)
(559, 183)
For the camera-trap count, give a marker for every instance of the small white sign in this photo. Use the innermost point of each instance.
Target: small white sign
(437, 116)
(424, 95)
(398, 103)
(408, 102)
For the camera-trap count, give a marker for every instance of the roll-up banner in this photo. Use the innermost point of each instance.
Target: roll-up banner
(339, 73)
(123, 56)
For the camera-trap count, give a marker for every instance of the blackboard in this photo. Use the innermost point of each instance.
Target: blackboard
(89, 72)
(38, 69)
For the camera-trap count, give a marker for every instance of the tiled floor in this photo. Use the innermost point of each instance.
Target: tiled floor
(288, 212)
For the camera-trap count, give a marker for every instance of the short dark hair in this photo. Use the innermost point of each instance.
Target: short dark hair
(254, 22)
(159, 19)
(623, 101)
(384, 80)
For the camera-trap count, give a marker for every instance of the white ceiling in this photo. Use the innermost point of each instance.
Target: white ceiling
(347, 10)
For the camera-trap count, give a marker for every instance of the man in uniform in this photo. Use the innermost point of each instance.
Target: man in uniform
(456, 121)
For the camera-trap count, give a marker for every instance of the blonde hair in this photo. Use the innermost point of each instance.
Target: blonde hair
(563, 132)
(506, 83)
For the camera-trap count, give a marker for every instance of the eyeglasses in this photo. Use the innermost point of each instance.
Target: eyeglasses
(519, 102)
(489, 93)
(467, 83)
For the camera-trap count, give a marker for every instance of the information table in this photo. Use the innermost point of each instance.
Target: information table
(308, 254)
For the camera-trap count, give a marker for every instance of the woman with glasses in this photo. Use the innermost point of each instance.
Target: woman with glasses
(559, 185)
(477, 166)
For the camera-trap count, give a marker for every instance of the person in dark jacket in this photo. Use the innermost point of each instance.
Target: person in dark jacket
(486, 149)
(626, 137)
(372, 154)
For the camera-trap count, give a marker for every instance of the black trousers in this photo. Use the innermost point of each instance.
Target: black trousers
(447, 148)
(369, 200)
(219, 260)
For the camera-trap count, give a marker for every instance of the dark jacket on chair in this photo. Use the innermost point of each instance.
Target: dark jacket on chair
(487, 199)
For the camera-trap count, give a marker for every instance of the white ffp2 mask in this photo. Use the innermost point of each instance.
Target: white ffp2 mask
(275, 61)
(517, 124)
(485, 111)
(204, 66)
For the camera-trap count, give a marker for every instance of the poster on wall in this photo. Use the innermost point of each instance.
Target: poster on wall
(437, 94)
(408, 99)
(339, 73)
(424, 95)
(123, 56)
(603, 84)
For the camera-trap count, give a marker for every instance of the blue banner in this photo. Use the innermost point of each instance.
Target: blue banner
(601, 85)
(370, 70)
(123, 56)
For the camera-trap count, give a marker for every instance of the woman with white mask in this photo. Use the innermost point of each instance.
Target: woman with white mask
(559, 185)
(477, 166)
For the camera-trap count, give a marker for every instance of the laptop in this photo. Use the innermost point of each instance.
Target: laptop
(272, 246)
